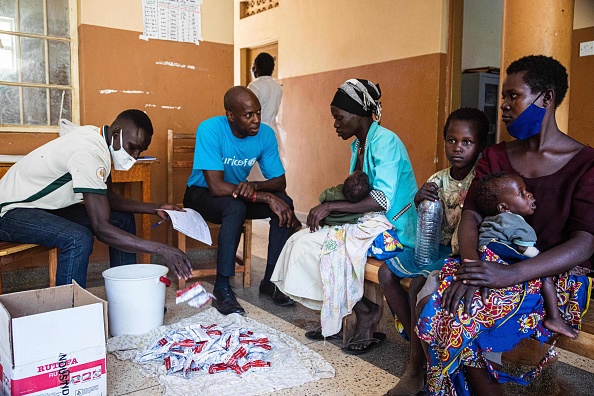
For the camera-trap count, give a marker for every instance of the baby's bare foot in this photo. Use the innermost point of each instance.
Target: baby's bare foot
(558, 325)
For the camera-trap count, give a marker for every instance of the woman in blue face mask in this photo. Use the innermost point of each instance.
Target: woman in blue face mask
(462, 320)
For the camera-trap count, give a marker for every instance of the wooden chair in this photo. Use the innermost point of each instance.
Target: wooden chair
(242, 263)
(11, 252)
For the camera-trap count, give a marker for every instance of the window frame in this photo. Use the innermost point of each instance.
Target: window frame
(74, 75)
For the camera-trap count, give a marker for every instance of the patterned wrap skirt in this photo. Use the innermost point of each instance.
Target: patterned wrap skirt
(508, 316)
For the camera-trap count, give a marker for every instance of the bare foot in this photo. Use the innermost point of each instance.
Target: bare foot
(558, 325)
(410, 384)
(368, 315)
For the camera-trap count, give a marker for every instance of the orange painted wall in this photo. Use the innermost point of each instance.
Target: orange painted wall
(112, 59)
(174, 97)
(581, 84)
(319, 47)
(319, 159)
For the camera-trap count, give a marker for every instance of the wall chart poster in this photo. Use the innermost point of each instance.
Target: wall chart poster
(175, 20)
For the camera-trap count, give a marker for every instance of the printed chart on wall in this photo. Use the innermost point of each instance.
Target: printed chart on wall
(175, 20)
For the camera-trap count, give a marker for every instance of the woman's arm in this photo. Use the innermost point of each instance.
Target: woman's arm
(577, 249)
(318, 213)
(367, 204)
(468, 234)
(468, 241)
(475, 273)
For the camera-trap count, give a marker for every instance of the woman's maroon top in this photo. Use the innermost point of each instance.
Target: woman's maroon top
(564, 199)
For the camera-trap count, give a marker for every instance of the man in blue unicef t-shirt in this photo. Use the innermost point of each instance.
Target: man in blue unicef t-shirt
(226, 149)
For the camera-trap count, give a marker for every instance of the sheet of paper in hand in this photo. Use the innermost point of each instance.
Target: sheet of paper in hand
(190, 223)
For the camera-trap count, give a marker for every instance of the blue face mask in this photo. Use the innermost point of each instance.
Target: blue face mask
(528, 123)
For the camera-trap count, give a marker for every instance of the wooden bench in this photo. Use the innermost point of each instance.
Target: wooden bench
(11, 252)
(583, 346)
(243, 262)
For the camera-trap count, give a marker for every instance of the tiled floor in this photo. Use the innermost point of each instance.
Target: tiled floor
(371, 374)
(353, 376)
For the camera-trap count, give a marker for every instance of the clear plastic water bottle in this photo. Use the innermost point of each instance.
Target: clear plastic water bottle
(428, 232)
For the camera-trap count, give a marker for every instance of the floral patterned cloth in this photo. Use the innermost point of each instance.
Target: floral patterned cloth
(342, 267)
(509, 315)
(452, 194)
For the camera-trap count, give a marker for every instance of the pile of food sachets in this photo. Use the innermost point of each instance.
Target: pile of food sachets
(211, 349)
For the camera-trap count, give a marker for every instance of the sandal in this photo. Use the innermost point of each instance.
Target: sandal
(317, 335)
(374, 342)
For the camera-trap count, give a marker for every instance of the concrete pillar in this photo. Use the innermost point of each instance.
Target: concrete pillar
(536, 27)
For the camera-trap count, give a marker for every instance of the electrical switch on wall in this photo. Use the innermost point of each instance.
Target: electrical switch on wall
(587, 48)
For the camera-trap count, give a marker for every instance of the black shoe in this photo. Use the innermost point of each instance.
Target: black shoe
(273, 292)
(226, 303)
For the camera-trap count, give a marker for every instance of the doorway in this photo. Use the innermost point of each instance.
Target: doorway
(475, 56)
(251, 54)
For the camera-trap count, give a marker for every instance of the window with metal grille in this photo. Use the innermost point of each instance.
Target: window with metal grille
(38, 64)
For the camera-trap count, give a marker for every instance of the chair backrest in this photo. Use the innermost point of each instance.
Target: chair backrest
(178, 143)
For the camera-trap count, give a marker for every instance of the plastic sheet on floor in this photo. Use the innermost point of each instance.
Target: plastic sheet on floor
(292, 363)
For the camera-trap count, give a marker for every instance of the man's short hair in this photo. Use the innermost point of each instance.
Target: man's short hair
(356, 186)
(138, 118)
(264, 63)
(542, 73)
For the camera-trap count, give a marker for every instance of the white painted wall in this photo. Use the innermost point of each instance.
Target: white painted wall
(583, 16)
(322, 35)
(481, 37)
(217, 17)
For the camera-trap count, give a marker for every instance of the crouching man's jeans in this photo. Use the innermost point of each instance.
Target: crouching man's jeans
(68, 229)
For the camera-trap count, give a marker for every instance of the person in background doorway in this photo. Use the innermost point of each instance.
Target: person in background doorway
(60, 195)
(269, 92)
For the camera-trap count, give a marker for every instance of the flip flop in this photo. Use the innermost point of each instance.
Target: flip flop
(377, 340)
(317, 335)
(422, 392)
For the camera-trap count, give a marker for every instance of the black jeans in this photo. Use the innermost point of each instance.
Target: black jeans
(230, 213)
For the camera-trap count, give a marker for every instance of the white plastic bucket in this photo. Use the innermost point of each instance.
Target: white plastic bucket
(135, 297)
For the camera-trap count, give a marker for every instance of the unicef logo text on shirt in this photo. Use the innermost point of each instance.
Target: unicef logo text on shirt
(239, 162)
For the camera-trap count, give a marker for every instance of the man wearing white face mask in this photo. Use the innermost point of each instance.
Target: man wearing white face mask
(121, 159)
(60, 195)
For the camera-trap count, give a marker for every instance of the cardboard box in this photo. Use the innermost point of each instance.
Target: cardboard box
(52, 342)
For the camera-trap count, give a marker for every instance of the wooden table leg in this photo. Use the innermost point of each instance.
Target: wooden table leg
(140, 173)
(145, 185)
